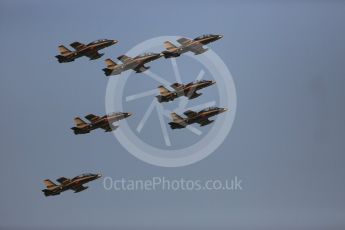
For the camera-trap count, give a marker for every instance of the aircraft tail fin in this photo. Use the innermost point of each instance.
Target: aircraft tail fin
(110, 67)
(169, 46)
(63, 50)
(49, 183)
(176, 118)
(110, 63)
(79, 122)
(163, 90)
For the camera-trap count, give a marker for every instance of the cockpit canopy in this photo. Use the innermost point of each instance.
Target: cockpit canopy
(146, 54)
(98, 41)
(209, 109)
(204, 36)
(201, 81)
(115, 114)
(83, 175)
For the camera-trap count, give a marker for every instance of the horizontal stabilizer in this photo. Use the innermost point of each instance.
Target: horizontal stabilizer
(77, 130)
(160, 98)
(48, 192)
(62, 59)
(175, 125)
(107, 71)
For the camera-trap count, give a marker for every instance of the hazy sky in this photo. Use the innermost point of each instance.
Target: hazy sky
(287, 142)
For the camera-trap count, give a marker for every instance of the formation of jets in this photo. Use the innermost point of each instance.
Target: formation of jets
(136, 64)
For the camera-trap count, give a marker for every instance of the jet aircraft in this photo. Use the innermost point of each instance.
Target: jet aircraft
(188, 90)
(90, 50)
(137, 63)
(104, 122)
(195, 45)
(75, 184)
(201, 117)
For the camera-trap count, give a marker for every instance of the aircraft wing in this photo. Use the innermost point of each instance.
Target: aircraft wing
(94, 55)
(124, 58)
(183, 41)
(79, 188)
(205, 122)
(193, 95)
(140, 68)
(197, 49)
(62, 180)
(77, 45)
(176, 86)
(190, 113)
(92, 117)
(109, 128)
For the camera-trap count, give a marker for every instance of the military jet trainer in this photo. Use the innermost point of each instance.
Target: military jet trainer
(188, 90)
(201, 117)
(104, 122)
(195, 45)
(137, 63)
(90, 50)
(75, 184)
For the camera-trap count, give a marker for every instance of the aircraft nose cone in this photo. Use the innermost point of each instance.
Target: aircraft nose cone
(129, 114)
(99, 175)
(213, 82)
(220, 36)
(114, 41)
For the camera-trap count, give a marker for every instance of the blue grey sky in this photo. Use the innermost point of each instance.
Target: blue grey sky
(287, 144)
